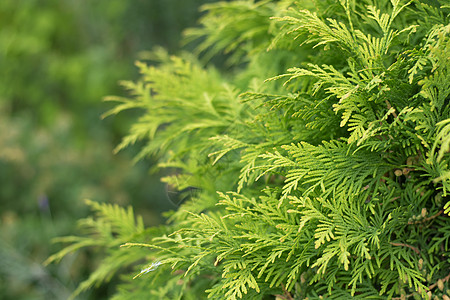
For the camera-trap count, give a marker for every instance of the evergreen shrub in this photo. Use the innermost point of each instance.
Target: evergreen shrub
(316, 166)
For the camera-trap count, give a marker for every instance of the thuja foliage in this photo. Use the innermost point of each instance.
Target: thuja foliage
(315, 167)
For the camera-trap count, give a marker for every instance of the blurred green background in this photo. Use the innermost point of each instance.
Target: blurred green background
(58, 59)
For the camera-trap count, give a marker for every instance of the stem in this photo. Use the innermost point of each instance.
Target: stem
(389, 106)
(427, 219)
(446, 278)
(286, 295)
(406, 245)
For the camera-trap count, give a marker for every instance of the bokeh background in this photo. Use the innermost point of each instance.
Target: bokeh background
(58, 59)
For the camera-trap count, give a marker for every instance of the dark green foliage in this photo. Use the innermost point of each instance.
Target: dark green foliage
(327, 180)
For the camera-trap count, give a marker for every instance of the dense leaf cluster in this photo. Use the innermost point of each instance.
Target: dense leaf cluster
(320, 167)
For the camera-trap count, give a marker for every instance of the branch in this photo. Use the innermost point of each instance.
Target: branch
(427, 219)
(389, 107)
(446, 278)
(406, 245)
(286, 295)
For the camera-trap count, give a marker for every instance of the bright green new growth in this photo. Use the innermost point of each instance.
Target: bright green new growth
(330, 180)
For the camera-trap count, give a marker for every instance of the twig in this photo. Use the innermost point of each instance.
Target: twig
(406, 245)
(427, 219)
(286, 295)
(446, 278)
(389, 106)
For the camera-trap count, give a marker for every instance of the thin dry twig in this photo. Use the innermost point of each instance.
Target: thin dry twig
(446, 278)
(426, 219)
(406, 245)
(389, 106)
(286, 295)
